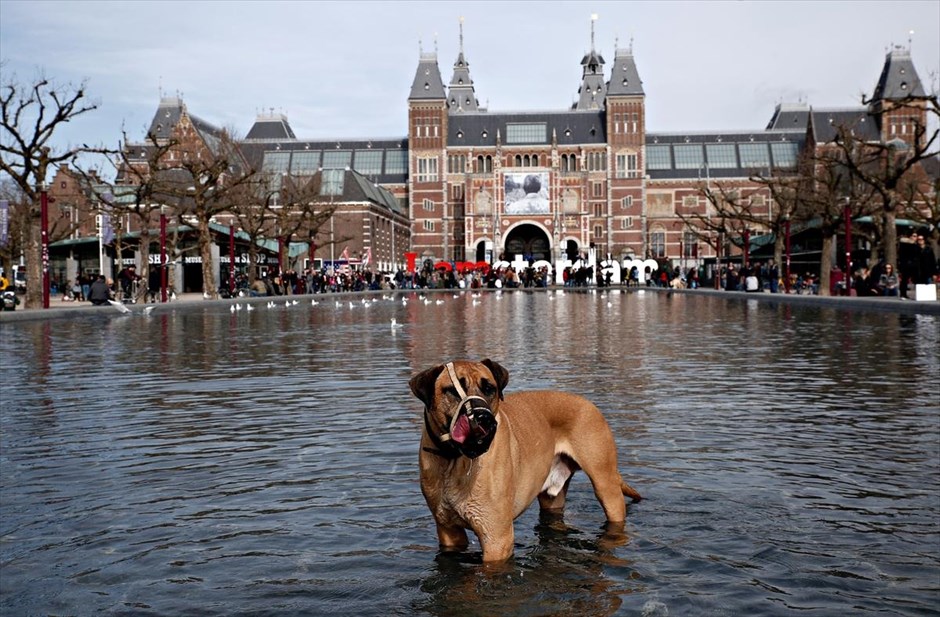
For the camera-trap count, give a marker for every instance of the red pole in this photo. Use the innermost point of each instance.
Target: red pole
(44, 239)
(848, 249)
(231, 259)
(786, 280)
(163, 264)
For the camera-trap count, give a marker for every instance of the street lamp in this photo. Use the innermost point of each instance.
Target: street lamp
(786, 269)
(44, 240)
(163, 264)
(847, 212)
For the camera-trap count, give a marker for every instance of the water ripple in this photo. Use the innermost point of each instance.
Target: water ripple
(265, 463)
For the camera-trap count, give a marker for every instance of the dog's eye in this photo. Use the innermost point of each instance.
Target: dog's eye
(451, 391)
(487, 388)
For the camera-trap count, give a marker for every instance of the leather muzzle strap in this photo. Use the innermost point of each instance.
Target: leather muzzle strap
(443, 441)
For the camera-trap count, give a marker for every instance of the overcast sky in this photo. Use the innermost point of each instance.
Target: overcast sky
(344, 69)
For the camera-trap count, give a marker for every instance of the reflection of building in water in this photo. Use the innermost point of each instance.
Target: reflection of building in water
(606, 181)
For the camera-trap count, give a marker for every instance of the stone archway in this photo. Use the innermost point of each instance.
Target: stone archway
(529, 241)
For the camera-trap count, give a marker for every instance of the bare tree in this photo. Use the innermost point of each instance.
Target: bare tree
(890, 168)
(137, 190)
(29, 117)
(204, 179)
(830, 188)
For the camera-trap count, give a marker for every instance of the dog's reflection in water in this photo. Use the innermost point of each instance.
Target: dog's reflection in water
(564, 574)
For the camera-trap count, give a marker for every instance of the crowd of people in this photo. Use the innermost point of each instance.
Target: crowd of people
(882, 279)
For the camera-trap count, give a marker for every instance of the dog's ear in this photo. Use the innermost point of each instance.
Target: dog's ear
(422, 384)
(501, 375)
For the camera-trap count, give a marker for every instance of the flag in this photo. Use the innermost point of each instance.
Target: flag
(368, 257)
(345, 254)
(107, 232)
(4, 222)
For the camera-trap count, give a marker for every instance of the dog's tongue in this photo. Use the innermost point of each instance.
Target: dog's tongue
(461, 429)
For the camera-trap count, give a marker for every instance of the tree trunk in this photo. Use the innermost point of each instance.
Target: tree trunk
(891, 240)
(252, 261)
(209, 288)
(144, 261)
(34, 260)
(825, 261)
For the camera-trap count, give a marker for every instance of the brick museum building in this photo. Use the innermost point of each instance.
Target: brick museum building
(471, 184)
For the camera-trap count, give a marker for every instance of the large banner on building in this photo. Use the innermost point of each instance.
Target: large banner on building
(526, 193)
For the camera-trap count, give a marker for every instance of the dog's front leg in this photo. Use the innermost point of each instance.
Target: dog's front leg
(497, 543)
(451, 538)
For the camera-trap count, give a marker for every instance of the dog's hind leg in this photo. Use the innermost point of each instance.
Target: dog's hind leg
(452, 538)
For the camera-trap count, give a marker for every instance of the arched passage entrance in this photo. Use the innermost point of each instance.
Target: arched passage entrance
(530, 241)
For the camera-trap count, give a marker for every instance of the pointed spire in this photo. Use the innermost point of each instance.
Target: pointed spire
(624, 78)
(462, 96)
(593, 90)
(898, 79)
(427, 83)
(593, 19)
(461, 35)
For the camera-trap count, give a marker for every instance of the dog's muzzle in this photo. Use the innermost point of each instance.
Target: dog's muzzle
(473, 424)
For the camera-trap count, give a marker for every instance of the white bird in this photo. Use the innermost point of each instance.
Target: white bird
(286, 303)
(149, 309)
(476, 302)
(438, 302)
(351, 305)
(248, 307)
(205, 295)
(404, 302)
(456, 295)
(270, 304)
(172, 296)
(609, 304)
(231, 308)
(395, 324)
(238, 307)
(338, 304)
(426, 302)
(314, 302)
(120, 306)
(294, 303)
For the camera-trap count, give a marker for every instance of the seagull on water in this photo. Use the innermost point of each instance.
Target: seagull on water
(120, 307)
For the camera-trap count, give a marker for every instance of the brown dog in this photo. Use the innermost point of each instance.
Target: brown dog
(486, 456)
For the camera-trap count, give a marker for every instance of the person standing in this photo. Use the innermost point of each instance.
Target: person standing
(925, 262)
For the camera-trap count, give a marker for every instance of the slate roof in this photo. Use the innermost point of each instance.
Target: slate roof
(271, 127)
(359, 188)
(898, 79)
(624, 78)
(569, 128)
(427, 84)
(826, 122)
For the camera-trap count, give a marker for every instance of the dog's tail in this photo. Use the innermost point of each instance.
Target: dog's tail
(629, 491)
